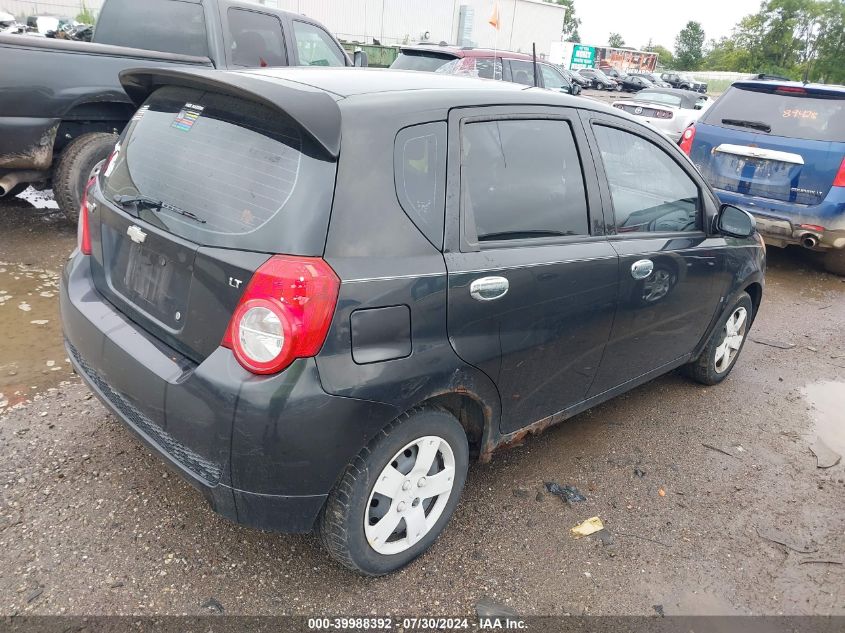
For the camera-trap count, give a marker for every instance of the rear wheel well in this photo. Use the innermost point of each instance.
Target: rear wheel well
(469, 413)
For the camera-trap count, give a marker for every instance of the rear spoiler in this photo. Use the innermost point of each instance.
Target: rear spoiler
(820, 91)
(315, 111)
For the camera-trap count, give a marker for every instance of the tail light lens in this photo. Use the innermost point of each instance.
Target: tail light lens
(83, 228)
(284, 313)
(686, 140)
(839, 181)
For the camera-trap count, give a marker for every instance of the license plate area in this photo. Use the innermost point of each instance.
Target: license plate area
(153, 276)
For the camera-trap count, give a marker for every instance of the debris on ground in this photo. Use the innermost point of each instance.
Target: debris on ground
(520, 493)
(658, 608)
(639, 473)
(489, 608)
(772, 342)
(603, 536)
(590, 526)
(213, 604)
(570, 494)
(828, 561)
(826, 457)
(661, 492)
(719, 450)
(34, 594)
(780, 539)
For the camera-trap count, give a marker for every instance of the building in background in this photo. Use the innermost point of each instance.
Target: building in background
(59, 8)
(392, 22)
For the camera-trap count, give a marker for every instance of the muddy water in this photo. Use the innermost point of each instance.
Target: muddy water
(33, 355)
(828, 401)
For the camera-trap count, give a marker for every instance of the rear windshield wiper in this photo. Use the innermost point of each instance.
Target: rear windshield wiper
(754, 125)
(155, 205)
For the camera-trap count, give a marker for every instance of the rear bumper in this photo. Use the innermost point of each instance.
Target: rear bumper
(264, 451)
(780, 223)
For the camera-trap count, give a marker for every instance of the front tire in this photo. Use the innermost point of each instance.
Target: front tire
(398, 494)
(725, 344)
(834, 261)
(74, 167)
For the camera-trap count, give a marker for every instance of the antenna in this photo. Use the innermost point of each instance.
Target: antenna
(534, 62)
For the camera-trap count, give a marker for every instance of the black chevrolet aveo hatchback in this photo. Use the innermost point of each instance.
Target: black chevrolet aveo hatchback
(318, 293)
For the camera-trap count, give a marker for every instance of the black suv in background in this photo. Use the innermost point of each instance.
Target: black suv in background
(321, 335)
(684, 82)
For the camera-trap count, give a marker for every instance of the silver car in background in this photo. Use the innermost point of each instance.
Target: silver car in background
(670, 110)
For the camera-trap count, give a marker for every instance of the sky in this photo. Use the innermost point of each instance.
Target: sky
(660, 20)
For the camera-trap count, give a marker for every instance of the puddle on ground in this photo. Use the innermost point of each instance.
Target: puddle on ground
(828, 401)
(33, 356)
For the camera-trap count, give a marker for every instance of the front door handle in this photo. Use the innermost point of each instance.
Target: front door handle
(642, 268)
(489, 288)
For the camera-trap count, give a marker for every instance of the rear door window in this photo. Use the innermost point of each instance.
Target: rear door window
(256, 39)
(316, 47)
(522, 72)
(781, 113)
(522, 179)
(248, 176)
(552, 79)
(170, 26)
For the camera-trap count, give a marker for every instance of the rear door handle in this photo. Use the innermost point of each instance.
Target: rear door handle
(642, 268)
(489, 288)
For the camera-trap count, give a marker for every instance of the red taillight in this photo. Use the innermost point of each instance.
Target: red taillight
(812, 227)
(686, 140)
(284, 313)
(83, 229)
(793, 90)
(839, 181)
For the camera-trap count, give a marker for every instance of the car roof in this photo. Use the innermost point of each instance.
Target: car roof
(464, 51)
(314, 96)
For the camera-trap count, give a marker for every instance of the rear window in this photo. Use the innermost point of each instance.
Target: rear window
(171, 26)
(421, 60)
(660, 97)
(817, 118)
(252, 180)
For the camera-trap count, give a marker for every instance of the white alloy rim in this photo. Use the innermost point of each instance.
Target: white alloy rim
(409, 495)
(734, 334)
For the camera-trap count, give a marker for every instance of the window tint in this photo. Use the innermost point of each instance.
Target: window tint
(522, 179)
(243, 169)
(316, 47)
(420, 175)
(169, 26)
(650, 191)
(420, 60)
(256, 39)
(522, 72)
(785, 114)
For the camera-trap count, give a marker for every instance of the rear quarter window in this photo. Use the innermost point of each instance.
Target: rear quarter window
(420, 176)
(802, 116)
(253, 180)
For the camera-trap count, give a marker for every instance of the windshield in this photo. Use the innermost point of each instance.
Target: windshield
(794, 115)
(660, 97)
(244, 170)
(427, 61)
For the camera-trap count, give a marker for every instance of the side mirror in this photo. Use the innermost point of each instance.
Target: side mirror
(735, 222)
(360, 59)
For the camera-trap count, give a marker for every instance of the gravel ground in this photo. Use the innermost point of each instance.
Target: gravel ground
(711, 497)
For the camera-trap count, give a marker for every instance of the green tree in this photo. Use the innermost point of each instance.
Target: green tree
(689, 47)
(615, 40)
(570, 22)
(86, 16)
(665, 56)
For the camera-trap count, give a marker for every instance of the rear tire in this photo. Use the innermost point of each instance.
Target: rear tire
(74, 167)
(834, 261)
(362, 524)
(712, 367)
